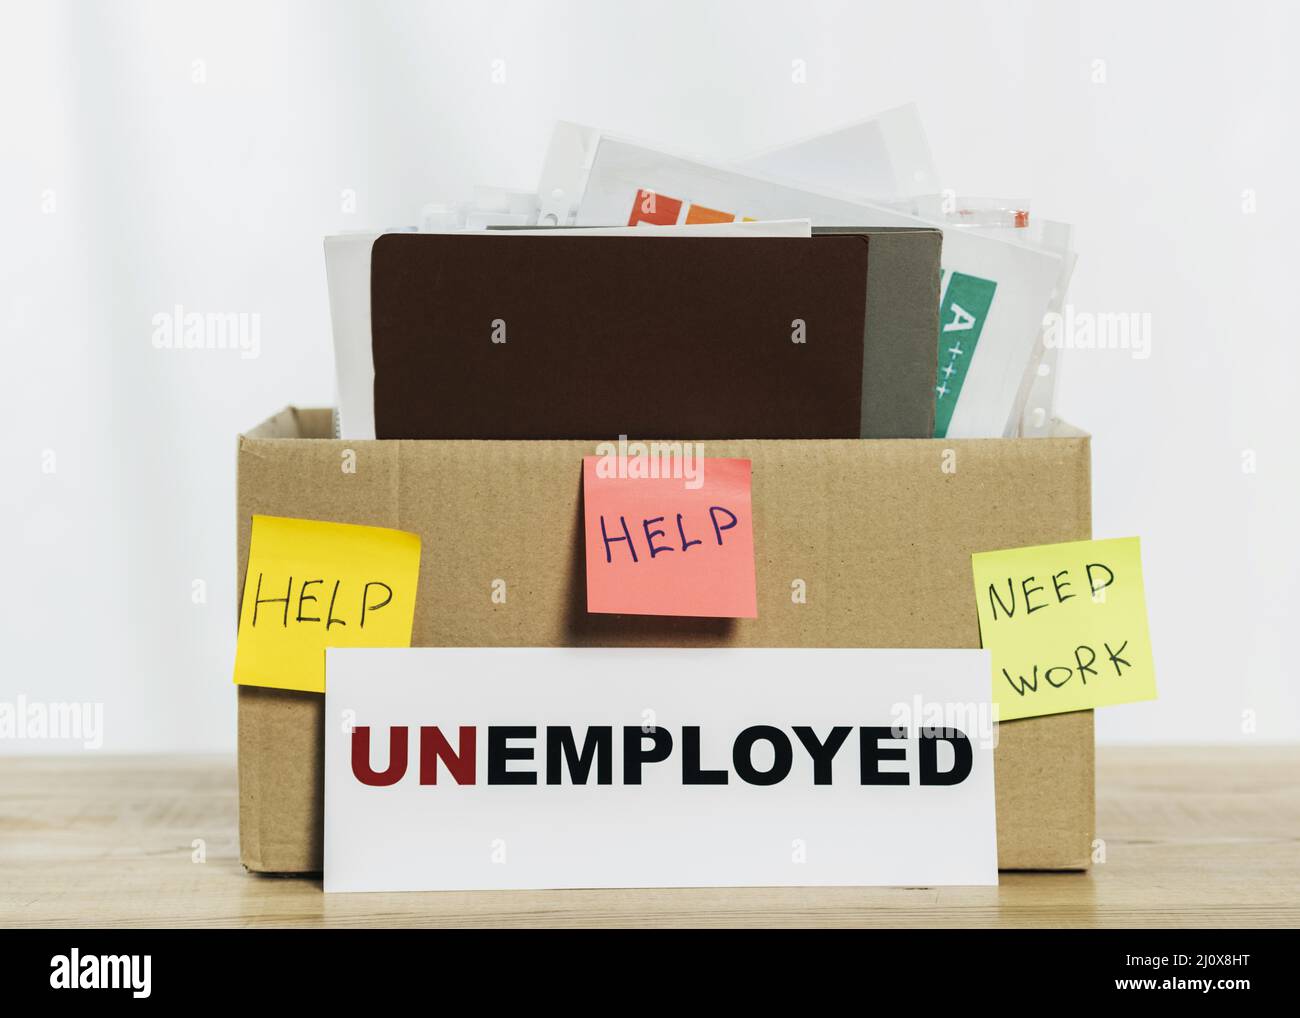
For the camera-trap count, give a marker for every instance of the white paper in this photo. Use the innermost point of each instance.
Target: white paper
(347, 272)
(885, 157)
(564, 172)
(1024, 276)
(764, 228)
(347, 275)
(662, 832)
(1035, 408)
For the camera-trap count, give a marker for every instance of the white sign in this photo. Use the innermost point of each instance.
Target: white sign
(467, 768)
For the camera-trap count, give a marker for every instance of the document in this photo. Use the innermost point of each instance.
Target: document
(882, 158)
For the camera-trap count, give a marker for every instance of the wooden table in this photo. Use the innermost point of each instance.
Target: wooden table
(1193, 837)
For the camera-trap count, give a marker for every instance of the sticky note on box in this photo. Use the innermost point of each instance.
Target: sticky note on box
(677, 543)
(1066, 625)
(312, 585)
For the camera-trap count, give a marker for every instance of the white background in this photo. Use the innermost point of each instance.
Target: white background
(216, 195)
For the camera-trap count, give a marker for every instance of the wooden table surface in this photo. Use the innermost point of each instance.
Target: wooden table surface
(1193, 837)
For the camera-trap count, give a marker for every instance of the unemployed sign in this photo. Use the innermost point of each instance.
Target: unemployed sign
(463, 768)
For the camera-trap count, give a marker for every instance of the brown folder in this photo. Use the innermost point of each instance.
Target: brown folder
(495, 336)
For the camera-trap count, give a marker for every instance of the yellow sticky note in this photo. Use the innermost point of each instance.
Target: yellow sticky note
(1066, 625)
(312, 585)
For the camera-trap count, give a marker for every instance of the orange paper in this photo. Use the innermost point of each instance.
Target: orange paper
(702, 214)
(669, 545)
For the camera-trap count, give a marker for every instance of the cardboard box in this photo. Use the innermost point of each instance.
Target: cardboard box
(880, 531)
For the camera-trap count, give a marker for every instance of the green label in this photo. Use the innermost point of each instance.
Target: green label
(962, 313)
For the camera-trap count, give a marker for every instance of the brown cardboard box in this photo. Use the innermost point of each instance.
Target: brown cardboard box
(881, 532)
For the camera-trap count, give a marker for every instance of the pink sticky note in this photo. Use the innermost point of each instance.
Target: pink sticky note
(670, 545)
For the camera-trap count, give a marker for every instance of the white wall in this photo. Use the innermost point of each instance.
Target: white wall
(215, 195)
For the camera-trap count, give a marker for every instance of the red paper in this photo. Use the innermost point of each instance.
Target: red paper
(658, 546)
(654, 208)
